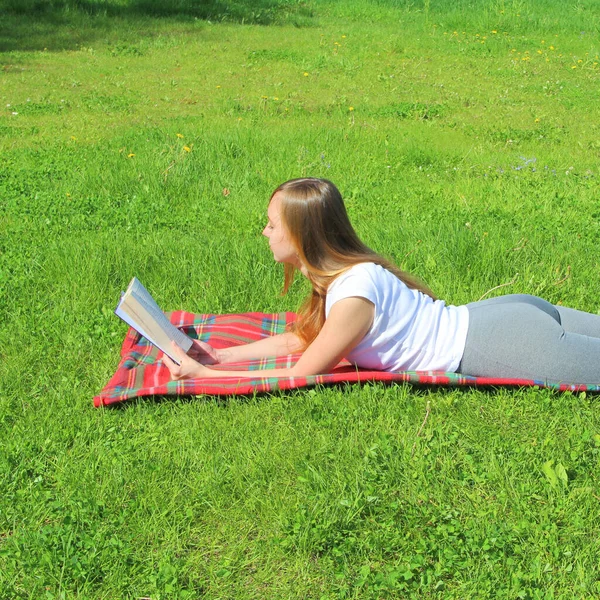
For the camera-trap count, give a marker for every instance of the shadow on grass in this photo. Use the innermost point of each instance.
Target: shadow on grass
(54, 25)
(425, 390)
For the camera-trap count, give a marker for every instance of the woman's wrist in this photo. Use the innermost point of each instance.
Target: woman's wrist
(223, 355)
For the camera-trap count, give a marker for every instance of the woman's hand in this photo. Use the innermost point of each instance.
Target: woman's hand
(188, 367)
(203, 353)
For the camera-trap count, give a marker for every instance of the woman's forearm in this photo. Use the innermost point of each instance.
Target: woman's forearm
(209, 372)
(276, 345)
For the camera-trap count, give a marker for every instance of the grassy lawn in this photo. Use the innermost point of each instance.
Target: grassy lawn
(139, 140)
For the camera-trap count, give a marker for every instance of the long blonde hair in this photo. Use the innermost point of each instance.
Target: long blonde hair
(313, 212)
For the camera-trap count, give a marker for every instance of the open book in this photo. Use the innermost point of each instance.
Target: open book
(139, 310)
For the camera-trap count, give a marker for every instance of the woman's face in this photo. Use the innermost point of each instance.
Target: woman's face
(279, 238)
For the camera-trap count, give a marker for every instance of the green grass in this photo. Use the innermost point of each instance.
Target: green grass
(471, 164)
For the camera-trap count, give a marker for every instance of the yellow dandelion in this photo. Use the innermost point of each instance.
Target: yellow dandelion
(543, 41)
(305, 74)
(73, 138)
(351, 108)
(265, 97)
(494, 31)
(180, 136)
(275, 98)
(218, 87)
(537, 121)
(539, 51)
(130, 155)
(187, 148)
(513, 50)
(574, 67)
(551, 47)
(579, 61)
(68, 195)
(343, 37)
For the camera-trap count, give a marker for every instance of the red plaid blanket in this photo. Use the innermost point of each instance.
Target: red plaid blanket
(141, 371)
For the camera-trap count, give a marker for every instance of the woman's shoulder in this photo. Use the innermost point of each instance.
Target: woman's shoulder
(368, 271)
(357, 269)
(356, 281)
(371, 270)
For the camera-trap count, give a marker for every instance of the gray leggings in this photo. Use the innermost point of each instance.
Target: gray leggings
(526, 337)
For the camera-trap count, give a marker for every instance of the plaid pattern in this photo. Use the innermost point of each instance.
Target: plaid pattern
(141, 371)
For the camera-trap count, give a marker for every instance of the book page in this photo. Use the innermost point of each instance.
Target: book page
(136, 287)
(182, 340)
(122, 314)
(139, 310)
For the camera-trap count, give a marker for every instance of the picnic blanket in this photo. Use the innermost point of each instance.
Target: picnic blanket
(141, 371)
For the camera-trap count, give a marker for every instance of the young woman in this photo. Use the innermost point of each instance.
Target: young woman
(363, 308)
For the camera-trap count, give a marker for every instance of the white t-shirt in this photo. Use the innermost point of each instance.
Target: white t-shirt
(410, 330)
